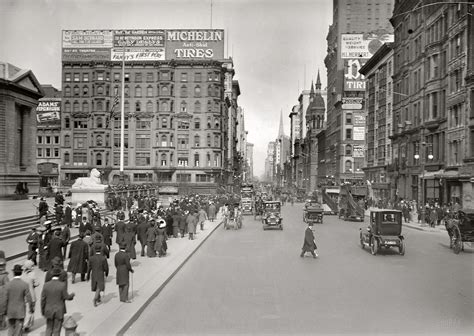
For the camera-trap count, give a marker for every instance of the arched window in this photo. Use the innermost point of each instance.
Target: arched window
(98, 159)
(216, 122)
(209, 140)
(138, 106)
(99, 141)
(126, 106)
(67, 107)
(149, 106)
(216, 159)
(67, 140)
(209, 106)
(184, 91)
(348, 150)
(67, 158)
(67, 122)
(85, 90)
(75, 107)
(67, 91)
(100, 90)
(209, 122)
(149, 91)
(171, 141)
(164, 90)
(196, 160)
(197, 141)
(208, 159)
(138, 91)
(100, 106)
(76, 91)
(197, 91)
(217, 141)
(183, 106)
(163, 141)
(99, 122)
(209, 90)
(348, 167)
(126, 91)
(165, 107)
(197, 106)
(163, 159)
(85, 107)
(197, 123)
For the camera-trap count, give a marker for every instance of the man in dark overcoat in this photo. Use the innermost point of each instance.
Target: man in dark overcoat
(53, 303)
(79, 255)
(107, 232)
(122, 263)
(142, 229)
(59, 213)
(309, 245)
(120, 229)
(67, 219)
(43, 208)
(17, 296)
(55, 245)
(97, 272)
(33, 241)
(66, 237)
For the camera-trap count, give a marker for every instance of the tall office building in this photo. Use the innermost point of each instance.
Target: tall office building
(180, 107)
(359, 28)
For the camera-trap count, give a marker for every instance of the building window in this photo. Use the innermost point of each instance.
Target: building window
(138, 106)
(99, 141)
(184, 91)
(67, 158)
(164, 106)
(164, 141)
(39, 139)
(126, 106)
(216, 123)
(99, 106)
(76, 91)
(142, 177)
(138, 77)
(149, 91)
(117, 122)
(80, 141)
(143, 124)
(182, 162)
(216, 160)
(67, 77)
(348, 150)
(349, 134)
(79, 159)
(77, 77)
(149, 76)
(67, 140)
(183, 106)
(183, 177)
(183, 142)
(197, 123)
(197, 91)
(117, 141)
(208, 140)
(85, 77)
(203, 178)
(348, 118)
(116, 159)
(67, 91)
(138, 91)
(56, 152)
(183, 124)
(56, 139)
(75, 107)
(100, 90)
(197, 141)
(142, 159)
(99, 122)
(348, 166)
(197, 77)
(142, 141)
(98, 159)
(40, 152)
(196, 160)
(48, 139)
(149, 106)
(100, 76)
(197, 107)
(184, 77)
(217, 141)
(85, 107)
(67, 123)
(126, 91)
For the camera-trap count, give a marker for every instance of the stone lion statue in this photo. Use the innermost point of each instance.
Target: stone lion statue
(91, 182)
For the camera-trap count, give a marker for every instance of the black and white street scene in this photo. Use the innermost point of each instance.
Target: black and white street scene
(236, 167)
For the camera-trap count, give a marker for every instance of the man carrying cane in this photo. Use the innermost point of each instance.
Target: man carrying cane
(122, 263)
(309, 245)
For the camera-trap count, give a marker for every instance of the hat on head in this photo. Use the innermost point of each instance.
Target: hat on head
(3, 261)
(28, 265)
(123, 246)
(98, 248)
(55, 271)
(17, 270)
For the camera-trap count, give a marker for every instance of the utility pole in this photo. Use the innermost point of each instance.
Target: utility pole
(122, 119)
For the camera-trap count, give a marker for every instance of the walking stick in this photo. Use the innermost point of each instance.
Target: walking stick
(131, 297)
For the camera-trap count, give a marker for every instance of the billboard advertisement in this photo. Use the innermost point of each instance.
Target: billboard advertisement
(353, 80)
(352, 103)
(142, 44)
(195, 44)
(363, 45)
(359, 133)
(48, 110)
(358, 119)
(358, 151)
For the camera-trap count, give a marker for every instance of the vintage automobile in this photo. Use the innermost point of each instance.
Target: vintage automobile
(233, 219)
(313, 214)
(384, 230)
(460, 229)
(271, 217)
(247, 208)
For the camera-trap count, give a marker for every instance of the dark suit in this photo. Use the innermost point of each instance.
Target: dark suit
(142, 228)
(122, 263)
(67, 219)
(308, 244)
(53, 306)
(98, 270)
(120, 228)
(78, 254)
(17, 294)
(55, 248)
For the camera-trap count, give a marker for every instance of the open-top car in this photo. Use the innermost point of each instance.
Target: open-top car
(271, 216)
(384, 230)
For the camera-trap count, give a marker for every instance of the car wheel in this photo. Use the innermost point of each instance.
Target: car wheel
(401, 248)
(374, 246)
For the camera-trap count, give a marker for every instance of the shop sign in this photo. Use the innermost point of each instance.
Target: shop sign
(358, 119)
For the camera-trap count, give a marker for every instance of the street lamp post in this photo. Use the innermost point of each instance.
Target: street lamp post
(423, 148)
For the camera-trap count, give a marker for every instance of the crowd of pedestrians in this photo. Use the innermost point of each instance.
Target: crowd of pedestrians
(143, 220)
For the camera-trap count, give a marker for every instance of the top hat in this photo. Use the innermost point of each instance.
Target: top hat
(17, 269)
(55, 271)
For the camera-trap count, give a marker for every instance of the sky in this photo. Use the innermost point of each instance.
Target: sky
(277, 45)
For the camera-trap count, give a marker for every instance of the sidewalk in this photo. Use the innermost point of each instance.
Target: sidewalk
(415, 225)
(113, 317)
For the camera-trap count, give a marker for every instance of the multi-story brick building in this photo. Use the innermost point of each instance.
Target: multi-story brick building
(19, 95)
(359, 27)
(180, 110)
(432, 109)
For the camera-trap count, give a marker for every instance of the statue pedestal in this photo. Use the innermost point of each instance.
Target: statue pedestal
(84, 195)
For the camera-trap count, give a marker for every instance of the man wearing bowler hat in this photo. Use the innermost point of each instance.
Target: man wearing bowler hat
(17, 296)
(122, 263)
(97, 272)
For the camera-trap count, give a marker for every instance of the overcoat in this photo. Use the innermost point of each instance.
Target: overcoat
(120, 228)
(130, 240)
(160, 243)
(190, 220)
(53, 298)
(142, 229)
(98, 270)
(78, 254)
(308, 244)
(67, 219)
(122, 263)
(212, 212)
(18, 293)
(55, 248)
(107, 232)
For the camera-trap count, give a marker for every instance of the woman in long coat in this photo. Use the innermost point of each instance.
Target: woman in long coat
(309, 245)
(150, 240)
(182, 223)
(212, 212)
(130, 241)
(160, 243)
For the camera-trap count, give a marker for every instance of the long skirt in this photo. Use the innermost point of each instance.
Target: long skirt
(150, 249)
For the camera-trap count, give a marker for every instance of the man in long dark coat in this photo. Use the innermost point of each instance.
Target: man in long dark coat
(67, 219)
(309, 245)
(122, 263)
(107, 232)
(142, 229)
(33, 241)
(79, 255)
(120, 229)
(66, 237)
(55, 246)
(97, 272)
(53, 305)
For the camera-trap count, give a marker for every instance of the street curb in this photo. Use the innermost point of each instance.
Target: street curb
(135, 316)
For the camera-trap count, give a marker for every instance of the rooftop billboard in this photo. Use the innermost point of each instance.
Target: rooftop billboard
(142, 44)
(48, 110)
(364, 46)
